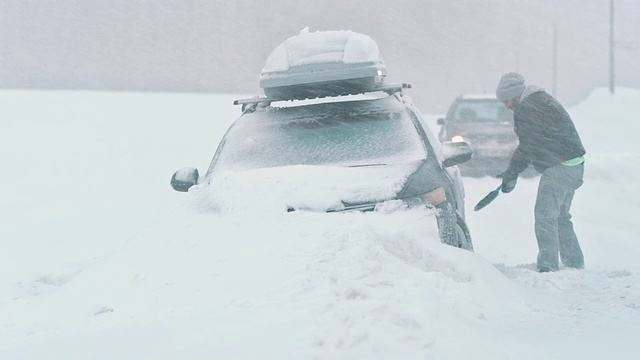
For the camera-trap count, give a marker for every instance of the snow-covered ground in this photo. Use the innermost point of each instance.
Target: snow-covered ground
(101, 259)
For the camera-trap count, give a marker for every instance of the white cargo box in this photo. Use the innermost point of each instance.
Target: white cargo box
(323, 63)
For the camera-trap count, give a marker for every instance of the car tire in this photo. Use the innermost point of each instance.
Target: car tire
(452, 228)
(464, 237)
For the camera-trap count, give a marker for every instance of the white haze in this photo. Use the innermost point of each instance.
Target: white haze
(444, 48)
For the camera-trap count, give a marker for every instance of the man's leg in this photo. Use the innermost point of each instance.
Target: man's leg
(570, 251)
(547, 211)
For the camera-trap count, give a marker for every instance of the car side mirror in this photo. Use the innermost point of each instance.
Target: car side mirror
(455, 153)
(440, 121)
(183, 179)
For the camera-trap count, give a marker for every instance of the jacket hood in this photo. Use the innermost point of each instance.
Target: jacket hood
(531, 89)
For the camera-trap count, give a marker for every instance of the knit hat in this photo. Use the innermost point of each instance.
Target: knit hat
(511, 85)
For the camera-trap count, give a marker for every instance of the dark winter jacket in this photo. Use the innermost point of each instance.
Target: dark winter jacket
(546, 133)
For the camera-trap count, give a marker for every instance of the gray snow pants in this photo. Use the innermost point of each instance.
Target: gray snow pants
(554, 229)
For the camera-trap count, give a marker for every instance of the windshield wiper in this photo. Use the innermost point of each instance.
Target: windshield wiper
(366, 165)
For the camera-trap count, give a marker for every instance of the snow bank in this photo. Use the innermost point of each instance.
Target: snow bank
(103, 260)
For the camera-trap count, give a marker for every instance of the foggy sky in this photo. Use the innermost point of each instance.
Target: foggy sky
(443, 47)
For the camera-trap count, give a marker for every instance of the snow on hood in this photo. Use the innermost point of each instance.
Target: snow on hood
(315, 188)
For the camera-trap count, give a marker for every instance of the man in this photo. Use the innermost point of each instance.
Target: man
(548, 141)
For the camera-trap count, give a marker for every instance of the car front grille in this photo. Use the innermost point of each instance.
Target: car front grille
(501, 139)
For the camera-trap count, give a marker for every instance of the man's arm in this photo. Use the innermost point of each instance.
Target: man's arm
(518, 161)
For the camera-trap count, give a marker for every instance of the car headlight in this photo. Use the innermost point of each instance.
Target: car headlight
(458, 138)
(431, 199)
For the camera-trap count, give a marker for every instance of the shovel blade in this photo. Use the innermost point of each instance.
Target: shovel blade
(486, 200)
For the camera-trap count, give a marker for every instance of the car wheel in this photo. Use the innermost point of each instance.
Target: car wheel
(453, 230)
(464, 237)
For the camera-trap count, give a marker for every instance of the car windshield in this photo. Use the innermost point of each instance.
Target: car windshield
(341, 134)
(482, 110)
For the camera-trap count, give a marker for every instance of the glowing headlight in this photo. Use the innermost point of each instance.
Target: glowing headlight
(433, 198)
(458, 138)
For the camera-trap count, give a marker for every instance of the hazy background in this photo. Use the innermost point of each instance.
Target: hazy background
(443, 47)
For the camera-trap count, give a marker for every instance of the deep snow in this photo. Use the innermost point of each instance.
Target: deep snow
(101, 259)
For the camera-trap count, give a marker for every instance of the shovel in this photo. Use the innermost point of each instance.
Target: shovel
(487, 199)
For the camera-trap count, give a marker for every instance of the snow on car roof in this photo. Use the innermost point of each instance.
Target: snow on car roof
(323, 47)
(334, 99)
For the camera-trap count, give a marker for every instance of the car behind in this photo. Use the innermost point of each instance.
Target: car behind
(487, 125)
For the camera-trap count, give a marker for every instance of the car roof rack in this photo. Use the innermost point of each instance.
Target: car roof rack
(393, 88)
(265, 101)
(254, 100)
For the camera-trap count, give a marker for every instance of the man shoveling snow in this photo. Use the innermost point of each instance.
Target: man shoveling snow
(549, 141)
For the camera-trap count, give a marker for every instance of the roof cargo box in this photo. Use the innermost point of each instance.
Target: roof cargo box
(321, 64)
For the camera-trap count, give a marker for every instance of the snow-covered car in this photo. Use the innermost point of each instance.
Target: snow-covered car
(487, 125)
(358, 145)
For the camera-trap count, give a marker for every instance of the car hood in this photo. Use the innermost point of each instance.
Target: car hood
(489, 129)
(304, 187)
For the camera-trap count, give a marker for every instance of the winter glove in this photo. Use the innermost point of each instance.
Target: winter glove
(509, 181)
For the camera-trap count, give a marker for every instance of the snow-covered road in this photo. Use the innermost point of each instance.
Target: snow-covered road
(102, 260)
